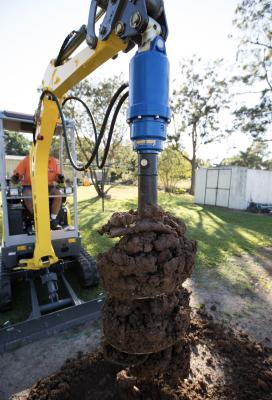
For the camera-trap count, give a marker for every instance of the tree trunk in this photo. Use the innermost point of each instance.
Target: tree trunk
(193, 160)
(99, 186)
(192, 188)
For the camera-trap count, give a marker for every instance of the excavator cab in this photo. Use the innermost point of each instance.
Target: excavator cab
(18, 229)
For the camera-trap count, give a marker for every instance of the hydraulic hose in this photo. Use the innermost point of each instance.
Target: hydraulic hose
(114, 118)
(89, 114)
(98, 138)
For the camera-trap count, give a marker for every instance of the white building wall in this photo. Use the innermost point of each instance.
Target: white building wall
(244, 186)
(238, 186)
(11, 164)
(200, 184)
(259, 186)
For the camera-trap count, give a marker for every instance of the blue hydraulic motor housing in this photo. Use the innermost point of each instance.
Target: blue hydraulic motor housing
(149, 111)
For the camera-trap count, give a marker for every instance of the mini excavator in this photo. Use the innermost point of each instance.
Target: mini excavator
(125, 24)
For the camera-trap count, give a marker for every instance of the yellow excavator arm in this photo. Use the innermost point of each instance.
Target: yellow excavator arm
(125, 24)
(57, 80)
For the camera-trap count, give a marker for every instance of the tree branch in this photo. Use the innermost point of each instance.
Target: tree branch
(266, 76)
(260, 44)
(250, 92)
(185, 157)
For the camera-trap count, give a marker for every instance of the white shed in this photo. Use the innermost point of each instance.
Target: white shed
(233, 187)
(11, 163)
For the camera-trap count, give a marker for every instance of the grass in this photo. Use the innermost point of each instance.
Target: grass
(221, 234)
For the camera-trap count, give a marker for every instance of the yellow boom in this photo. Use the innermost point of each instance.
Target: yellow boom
(57, 80)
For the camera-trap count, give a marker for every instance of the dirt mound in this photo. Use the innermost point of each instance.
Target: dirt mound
(225, 365)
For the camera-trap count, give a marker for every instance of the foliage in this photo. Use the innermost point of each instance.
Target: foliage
(200, 95)
(255, 157)
(267, 164)
(54, 148)
(124, 163)
(16, 144)
(254, 21)
(172, 168)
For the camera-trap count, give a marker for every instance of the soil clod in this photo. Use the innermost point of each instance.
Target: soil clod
(147, 310)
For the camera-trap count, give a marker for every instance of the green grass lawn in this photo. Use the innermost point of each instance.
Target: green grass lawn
(221, 233)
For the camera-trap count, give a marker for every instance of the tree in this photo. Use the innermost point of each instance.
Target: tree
(97, 95)
(172, 168)
(255, 157)
(253, 20)
(55, 147)
(200, 96)
(124, 164)
(16, 144)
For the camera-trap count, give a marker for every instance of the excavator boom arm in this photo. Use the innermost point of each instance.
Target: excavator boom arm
(125, 24)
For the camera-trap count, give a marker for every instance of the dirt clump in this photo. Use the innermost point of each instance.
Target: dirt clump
(153, 256)
(175, 359)
(147, 309)
(146, 326)
(225, 365)
(89, 373)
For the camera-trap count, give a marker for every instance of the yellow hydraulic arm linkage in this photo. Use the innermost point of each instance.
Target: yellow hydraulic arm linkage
(125, 24)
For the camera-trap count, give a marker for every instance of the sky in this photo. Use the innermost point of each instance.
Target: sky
(32, 32)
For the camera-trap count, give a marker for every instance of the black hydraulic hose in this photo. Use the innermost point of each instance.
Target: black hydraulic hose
(89, 114)
(102, 131)
(70, 44)
(110, 107)
(86, 108)
(94, 182)
(104, 124)
(63, 46)
(114, 118)
(54, 97)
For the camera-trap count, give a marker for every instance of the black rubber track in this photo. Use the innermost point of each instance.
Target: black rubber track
(5, 287)
(87, 269)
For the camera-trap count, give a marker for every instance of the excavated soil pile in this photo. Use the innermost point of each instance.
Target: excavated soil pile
(147, 314)
(225, 365)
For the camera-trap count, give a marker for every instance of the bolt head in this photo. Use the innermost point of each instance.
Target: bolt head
(135, 20)
(160, 44)
(144, 162)
(119, 28)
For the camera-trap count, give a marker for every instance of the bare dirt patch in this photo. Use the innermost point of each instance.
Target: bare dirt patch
(225, 365)
(238, 293)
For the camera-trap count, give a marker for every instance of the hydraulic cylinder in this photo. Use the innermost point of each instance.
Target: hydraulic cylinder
(149, 115)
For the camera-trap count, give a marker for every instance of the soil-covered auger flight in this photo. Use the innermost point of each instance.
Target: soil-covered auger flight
(146, 312)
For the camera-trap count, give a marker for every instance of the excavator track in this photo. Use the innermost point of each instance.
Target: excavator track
(5, 287)
(87, 269)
